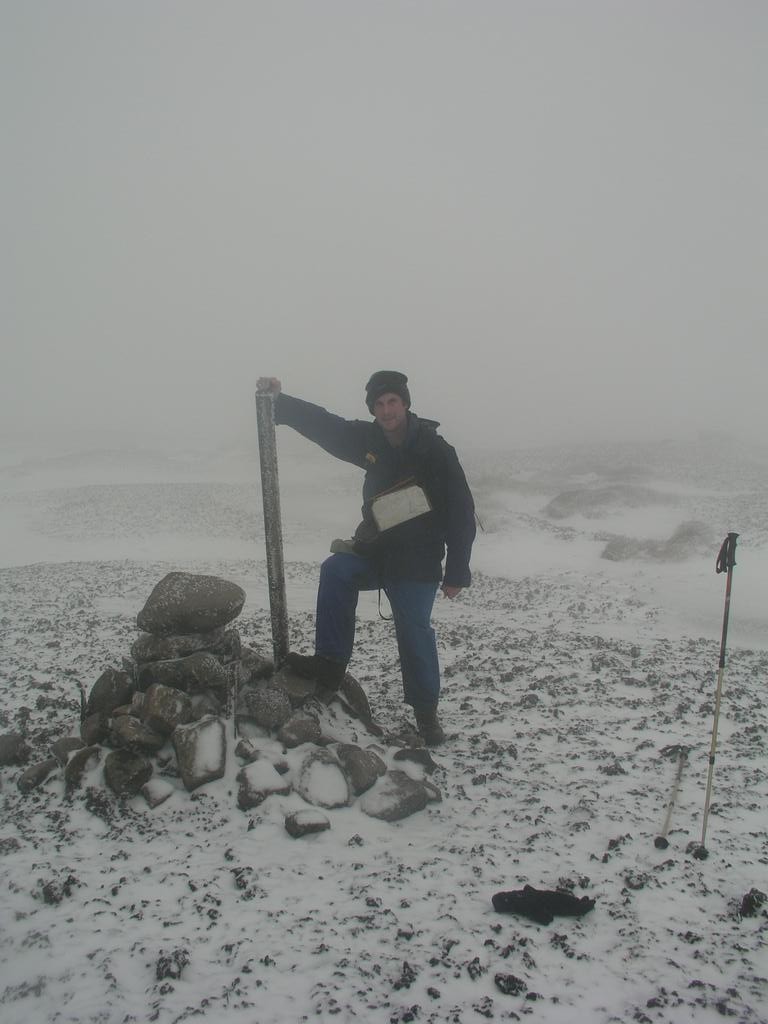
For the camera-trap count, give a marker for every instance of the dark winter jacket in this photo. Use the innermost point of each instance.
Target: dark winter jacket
(413, 550)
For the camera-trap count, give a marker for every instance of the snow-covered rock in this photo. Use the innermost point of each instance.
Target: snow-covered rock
(322, 781)
(257, 781)
(247, 750)
(304, 823)
(157, 791)
(394, 797)
(201, 751)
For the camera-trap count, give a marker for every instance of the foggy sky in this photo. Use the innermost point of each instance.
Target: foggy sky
(550, 215)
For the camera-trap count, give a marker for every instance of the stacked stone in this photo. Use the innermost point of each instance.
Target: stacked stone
(187, 615)
(166, 708)
(171, 694)
(180, 671)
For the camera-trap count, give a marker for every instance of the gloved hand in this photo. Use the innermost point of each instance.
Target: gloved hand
(541, 905)
(269, 384)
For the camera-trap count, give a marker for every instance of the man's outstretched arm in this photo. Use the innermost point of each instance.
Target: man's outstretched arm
(344, 439)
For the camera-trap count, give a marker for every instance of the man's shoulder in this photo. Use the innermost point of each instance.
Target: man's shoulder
(426, 434)
(429, 442)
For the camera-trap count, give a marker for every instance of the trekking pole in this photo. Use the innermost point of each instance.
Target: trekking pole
(661, 842)
(273, 531)
(726, 560)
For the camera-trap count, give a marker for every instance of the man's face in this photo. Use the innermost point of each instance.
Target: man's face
(390, 411)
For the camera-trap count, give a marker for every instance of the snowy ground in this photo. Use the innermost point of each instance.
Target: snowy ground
(567, 678)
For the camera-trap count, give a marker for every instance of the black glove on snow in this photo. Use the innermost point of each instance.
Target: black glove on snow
(541, 905)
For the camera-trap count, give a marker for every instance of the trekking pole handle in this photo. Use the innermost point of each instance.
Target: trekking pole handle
(726, 559)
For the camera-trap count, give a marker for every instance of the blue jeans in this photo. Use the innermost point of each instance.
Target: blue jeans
(342, 577)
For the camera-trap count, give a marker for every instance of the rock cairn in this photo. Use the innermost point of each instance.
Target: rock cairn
(162, 722)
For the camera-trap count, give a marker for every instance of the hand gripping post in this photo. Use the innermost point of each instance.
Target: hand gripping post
(273, 531)
(726, 560)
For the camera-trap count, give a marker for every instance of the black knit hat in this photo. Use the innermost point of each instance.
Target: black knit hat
(386, 382)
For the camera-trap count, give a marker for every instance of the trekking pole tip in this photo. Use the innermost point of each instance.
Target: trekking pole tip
(661, 842)
(699, 851)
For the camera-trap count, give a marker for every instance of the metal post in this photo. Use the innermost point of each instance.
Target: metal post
(273, 530)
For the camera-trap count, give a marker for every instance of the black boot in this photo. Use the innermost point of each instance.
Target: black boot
(429, 726)
(327, 674)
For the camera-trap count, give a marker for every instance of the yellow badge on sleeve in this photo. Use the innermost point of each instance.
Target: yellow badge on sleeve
(370, 457)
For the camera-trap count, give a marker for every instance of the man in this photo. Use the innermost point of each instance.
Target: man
(433, 514)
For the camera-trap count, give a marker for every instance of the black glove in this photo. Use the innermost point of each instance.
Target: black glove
(541, 905)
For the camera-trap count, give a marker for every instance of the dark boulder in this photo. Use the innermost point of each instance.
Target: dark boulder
(205, 704)
(300, 728)
(130, 734)
(13, 749)
(266, 706)
(110, 690)
(77, 765)
(149, 648)
(363, 767)
(164, 708)
(356, 698)
(296, 687)
(36, 775)
(193, 674)
(125, 772)
(189, 603)
(63, 748)
(95, 728)
(254, 666)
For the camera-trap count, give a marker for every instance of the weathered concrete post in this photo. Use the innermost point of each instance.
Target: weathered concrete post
(273, 530)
